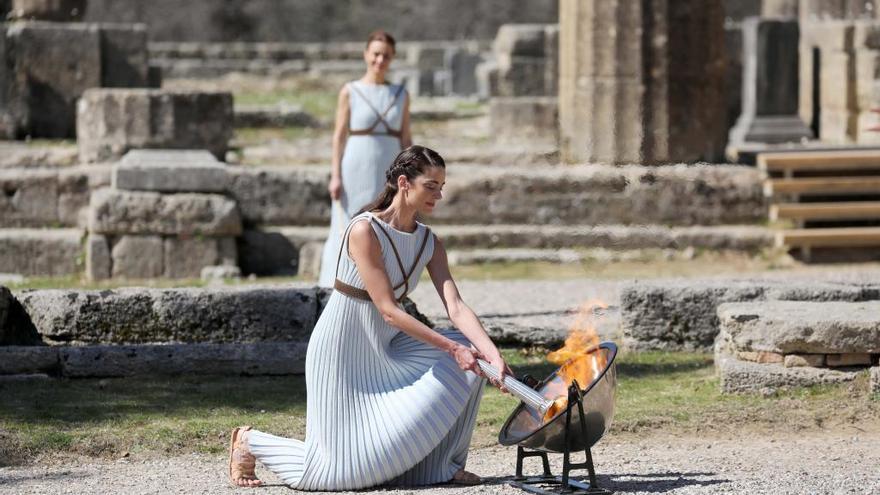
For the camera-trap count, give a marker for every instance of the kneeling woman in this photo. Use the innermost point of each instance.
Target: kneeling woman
(390, 400)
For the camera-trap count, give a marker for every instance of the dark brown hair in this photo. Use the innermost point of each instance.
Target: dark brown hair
(410, 163)
(380, 35)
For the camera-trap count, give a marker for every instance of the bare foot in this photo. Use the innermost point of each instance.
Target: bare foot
(241, 461)
(462, 477)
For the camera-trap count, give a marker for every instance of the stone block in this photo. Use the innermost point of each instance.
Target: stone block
(124, 58)
(515, 119)
(183, 359)
(837, 81)
(17, 360)
(524, 40)
(54, 64)
(875, 380)
(762, 357)
(16, 327)
(867, 72)
(463, 64)
(130, 212)
(520, 76)
(837, 126)
(186, 257)
(425, 57)
(747, 377)
(29, 198)
(803, 326)
(75, 186)
(112, 121)
(310, 255)
(135, 315)
(170, 171)
(800, 360)
(677, 314)
(48, 10)
(281, 195)
(848, 359)
(99, 263)
(551, 57)
(603, 195)
(137, 257)
(41, 252)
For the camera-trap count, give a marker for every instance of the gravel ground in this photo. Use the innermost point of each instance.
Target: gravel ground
(815, 463)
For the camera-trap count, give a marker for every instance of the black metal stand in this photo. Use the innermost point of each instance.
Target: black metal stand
(565, 484)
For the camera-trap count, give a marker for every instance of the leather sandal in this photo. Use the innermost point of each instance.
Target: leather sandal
(466, 478)
(241, 464)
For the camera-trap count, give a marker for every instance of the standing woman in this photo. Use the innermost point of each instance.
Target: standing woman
(391, 401)
(372, 126)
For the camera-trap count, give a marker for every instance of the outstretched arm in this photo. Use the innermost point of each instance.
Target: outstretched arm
(367, 255)
(461, 315)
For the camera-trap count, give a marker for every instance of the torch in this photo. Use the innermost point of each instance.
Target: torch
(520, 390)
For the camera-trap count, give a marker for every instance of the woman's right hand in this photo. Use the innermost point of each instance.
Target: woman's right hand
(335, 188)
(466, 358)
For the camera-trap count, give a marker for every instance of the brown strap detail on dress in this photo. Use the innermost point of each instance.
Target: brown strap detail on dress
(380, 116)
(399, 261)
(342, 245)
(352, 291)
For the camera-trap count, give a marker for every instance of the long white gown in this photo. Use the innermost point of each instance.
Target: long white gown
(383, 408)
(365, 159)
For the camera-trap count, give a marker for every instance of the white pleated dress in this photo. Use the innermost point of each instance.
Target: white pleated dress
(365, 159)
(383, 408)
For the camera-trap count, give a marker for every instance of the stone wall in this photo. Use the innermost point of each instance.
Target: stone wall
(319, 20)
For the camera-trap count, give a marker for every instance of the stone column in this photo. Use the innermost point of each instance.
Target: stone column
(770, 83)
(641, 82)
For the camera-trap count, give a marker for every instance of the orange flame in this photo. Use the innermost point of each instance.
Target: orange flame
(579, 358)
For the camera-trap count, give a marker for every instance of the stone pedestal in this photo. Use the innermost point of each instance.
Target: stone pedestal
(641, 82)
(150, 225)
(112, 121)
(48, 65)
(770, 84)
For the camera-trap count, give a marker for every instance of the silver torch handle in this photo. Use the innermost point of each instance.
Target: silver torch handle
(517, 388)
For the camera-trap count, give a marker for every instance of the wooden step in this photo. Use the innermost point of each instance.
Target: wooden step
(834, 237)
(820, 160)
(822, 185)
(844, 210)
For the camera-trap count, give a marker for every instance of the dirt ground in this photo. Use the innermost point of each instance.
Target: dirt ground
(841, 461)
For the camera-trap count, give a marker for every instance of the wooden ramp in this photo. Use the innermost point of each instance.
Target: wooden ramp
(838, 190)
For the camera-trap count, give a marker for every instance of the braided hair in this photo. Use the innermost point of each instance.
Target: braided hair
(409, 163)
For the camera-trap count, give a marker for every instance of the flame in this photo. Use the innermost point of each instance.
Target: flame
(579, 358)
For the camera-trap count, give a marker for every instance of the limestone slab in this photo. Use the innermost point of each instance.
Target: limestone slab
(276, 358)
(683, 314)
(15, 326)
(848, 359)
(124, 58)
(524, 118)
(99, 263)
(130, 212)
(41, 252)
(138, 257)
(747, 377)
(135, 316)
(112, 121)
(17, 360)
(281, 195)
(170, 171)
(796, 360)
(29, 198)
(803, 327)
(48, 10)
(186, 257)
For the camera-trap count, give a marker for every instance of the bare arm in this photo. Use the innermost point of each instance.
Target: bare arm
(340, 134)
(405, 131)
(367, 254)
(461, 315)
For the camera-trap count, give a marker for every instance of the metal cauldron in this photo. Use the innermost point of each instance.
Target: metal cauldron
(525, 427)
